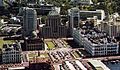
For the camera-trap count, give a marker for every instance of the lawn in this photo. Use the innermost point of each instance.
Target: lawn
(50, 45)
(76, 55)
(1, 43)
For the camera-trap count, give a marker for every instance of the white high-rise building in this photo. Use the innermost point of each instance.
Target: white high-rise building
(97, 43)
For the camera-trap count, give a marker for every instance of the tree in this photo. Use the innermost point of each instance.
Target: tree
(43, 19)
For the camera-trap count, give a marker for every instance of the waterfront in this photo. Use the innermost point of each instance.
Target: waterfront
(113, 65)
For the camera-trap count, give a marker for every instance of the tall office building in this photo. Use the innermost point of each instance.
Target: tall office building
(74, 17)
(54, 28)
(29, 21)
(99, 14)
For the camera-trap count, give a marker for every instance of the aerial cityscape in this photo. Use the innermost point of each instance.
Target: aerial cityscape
(59, 35)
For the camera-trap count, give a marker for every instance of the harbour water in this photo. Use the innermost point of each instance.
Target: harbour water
(113, 65)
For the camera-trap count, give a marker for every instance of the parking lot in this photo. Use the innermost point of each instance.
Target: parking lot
(57, 56)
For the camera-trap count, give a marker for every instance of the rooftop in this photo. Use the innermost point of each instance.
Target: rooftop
(74, 65)
(98, 65)
(95, 36)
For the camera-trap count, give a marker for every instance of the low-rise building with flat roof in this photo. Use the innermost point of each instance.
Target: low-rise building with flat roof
(73, 65)
(98, 65)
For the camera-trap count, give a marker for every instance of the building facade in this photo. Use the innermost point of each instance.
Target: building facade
(11, 54)
(112, 26)
(74, 17)
(53, 27)
(29, 21)
(97, 43)
(33, 44)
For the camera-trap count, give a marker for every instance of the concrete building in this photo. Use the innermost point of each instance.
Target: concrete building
(98, 65)
(74, 18)
(53, 27)
(76, 15)
(112, 26)
(33, 44)
(29, 21)
(97, 43)
(11, 53)
(73, 65)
